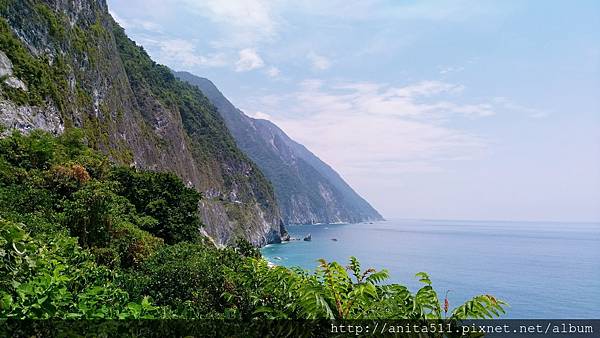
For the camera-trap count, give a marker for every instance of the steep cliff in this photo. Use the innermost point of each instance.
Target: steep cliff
(307, 189)
(67, 63)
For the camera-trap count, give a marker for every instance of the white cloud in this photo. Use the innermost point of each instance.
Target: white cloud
(364, 128)
(129, 24)
(425, 88)
(124, 23)
(318, 62)
(183, 52)
(148, 26)
(259, 115)
(243, 22)
(273, 71)
(455, 10)
(248, 60)
(440, 11)
(311, 84)
(477, 110)
(508, 104)
(450, 69)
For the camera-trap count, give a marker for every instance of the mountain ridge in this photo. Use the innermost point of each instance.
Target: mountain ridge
(308, 190)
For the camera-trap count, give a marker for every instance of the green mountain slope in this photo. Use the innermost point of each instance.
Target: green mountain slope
(67, 64)
(307, 189)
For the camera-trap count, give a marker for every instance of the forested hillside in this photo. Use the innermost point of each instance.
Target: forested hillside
(66, 64)
(82, 238)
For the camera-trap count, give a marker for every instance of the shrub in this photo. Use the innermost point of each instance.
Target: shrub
(57, 279)
(246, 249)
(107, 256)
(34, 151)
(66, 179)
(190, 278)
(164, 197)
(88, 215)
(132, 244)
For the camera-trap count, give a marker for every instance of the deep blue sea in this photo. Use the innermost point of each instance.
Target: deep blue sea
(543, 270)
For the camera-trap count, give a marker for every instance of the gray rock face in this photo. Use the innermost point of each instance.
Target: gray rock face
(28, 118)
(6, 65)
(16, 83)
(109, 87)
(6, 71)
(308, 190)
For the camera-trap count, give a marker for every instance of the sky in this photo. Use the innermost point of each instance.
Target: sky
(429, 109)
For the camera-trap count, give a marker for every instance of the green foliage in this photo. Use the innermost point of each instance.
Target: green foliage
(201, 120)
(42, 79)
(28, 153)
(40, 150)
(133, 245)
(55, 201)
(57, 279)
(337, 292)
(54, 23)
(82, 239)
(165, 198)
(88, 216)
(187, 277)
(246, 249)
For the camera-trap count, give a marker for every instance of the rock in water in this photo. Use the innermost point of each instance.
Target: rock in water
(308, 238)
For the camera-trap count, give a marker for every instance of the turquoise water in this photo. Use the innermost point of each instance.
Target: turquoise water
(544, 270)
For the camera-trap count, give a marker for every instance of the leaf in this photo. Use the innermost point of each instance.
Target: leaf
(423, 278)
(6, 301)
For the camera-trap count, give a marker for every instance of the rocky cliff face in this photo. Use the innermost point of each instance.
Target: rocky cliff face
(307, 189)
(66, 63)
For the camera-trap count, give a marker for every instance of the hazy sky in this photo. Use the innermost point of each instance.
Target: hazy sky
(429, 109)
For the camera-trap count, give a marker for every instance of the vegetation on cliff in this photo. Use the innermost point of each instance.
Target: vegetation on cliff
(81, 238)
(307, 190)
(200, 119)
(79, 68)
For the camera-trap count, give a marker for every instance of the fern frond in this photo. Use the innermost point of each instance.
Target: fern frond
(480, 307)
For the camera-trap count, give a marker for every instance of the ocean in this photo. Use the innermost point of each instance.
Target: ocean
(542, 269)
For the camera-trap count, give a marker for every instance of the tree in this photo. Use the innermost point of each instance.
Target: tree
(164, 197)
(88, 214)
